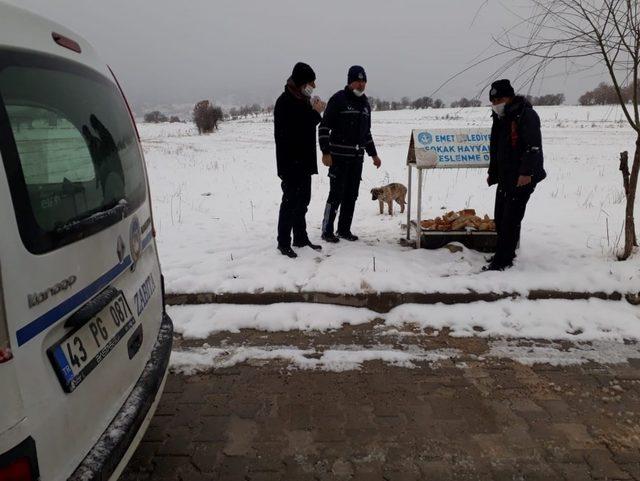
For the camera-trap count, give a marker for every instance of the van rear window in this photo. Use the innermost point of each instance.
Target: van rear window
(69, 149)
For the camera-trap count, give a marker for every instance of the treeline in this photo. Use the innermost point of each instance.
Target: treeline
(464, 102)
(549, 99)
(605, 94)
(429, 103)
(234, 113)
(248, 111)
(405, 103)
(157, 117)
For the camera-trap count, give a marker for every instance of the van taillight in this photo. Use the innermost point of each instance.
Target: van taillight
(18, 470)
(5, 354)
(20, 463)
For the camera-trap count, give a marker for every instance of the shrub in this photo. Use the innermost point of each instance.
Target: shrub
(206, 116)
(155, 117)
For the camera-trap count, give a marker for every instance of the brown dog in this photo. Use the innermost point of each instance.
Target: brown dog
(388, 194)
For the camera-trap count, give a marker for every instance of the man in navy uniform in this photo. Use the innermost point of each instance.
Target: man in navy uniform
(344, 136)
(516, 165)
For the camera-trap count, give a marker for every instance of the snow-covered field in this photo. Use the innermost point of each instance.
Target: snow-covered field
(216, 202)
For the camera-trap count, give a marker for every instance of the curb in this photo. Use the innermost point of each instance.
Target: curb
(383, 302)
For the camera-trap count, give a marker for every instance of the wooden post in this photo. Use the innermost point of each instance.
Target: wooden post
(409, 202)
(419, 220)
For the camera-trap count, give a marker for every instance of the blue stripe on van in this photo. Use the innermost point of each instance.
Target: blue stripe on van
(31, 330)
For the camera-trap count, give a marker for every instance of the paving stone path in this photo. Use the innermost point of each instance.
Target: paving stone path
(468, 418)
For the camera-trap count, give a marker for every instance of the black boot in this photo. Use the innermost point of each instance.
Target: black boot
(348, 236)
(308, 243)
(287, 251)
(490, 259)
(497, 266)
(330, 238)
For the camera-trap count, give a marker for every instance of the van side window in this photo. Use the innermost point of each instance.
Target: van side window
(69, 148)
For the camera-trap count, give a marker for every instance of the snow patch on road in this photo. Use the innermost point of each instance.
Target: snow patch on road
(200, 321)
(578, 321)
(530, 332)
(601, 352)
(337, 359)
(583, 320)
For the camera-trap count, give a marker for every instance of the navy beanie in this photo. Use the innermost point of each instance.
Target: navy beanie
(356, 73)
(501, 88)
(302, 74)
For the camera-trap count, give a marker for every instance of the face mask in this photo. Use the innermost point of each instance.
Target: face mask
(308, 90)
(358, 93)
(498, 109)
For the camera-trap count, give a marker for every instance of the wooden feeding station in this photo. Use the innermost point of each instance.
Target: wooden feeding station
(448, 149)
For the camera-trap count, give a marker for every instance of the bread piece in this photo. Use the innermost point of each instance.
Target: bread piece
(427, 223)
(451, 216)
(459, 224)
(443, 227)
(487, 226)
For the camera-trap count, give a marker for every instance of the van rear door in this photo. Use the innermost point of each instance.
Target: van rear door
(79, 268)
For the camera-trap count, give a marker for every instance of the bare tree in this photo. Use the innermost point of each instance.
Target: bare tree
(587, 34)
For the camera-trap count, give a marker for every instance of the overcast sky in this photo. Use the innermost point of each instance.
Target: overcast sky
(168, 51)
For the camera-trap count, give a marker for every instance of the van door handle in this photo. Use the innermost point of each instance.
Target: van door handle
(91, 308)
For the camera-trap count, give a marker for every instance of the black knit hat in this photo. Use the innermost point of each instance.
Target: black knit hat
(501, 88)
(356, 73)
(302, 74)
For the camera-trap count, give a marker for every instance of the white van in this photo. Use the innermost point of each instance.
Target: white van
(84, 338)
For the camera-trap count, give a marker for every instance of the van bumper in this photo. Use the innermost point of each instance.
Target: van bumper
(110, 454)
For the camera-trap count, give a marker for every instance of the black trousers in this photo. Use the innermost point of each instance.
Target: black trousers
(510, 207)
(344, 184)
(296, 194)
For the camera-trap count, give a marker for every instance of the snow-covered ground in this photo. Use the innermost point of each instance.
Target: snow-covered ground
(579, 321)
(216, 202)
(558, 332)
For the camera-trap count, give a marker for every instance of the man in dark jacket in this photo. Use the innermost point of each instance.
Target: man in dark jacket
(516, 165)
(344, 136)
(296, 117)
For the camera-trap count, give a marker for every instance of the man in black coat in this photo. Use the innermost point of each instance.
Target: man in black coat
(344, 136)
(296, 117)
(516, 165)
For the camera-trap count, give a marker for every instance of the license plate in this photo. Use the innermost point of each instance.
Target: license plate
(80, 352)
